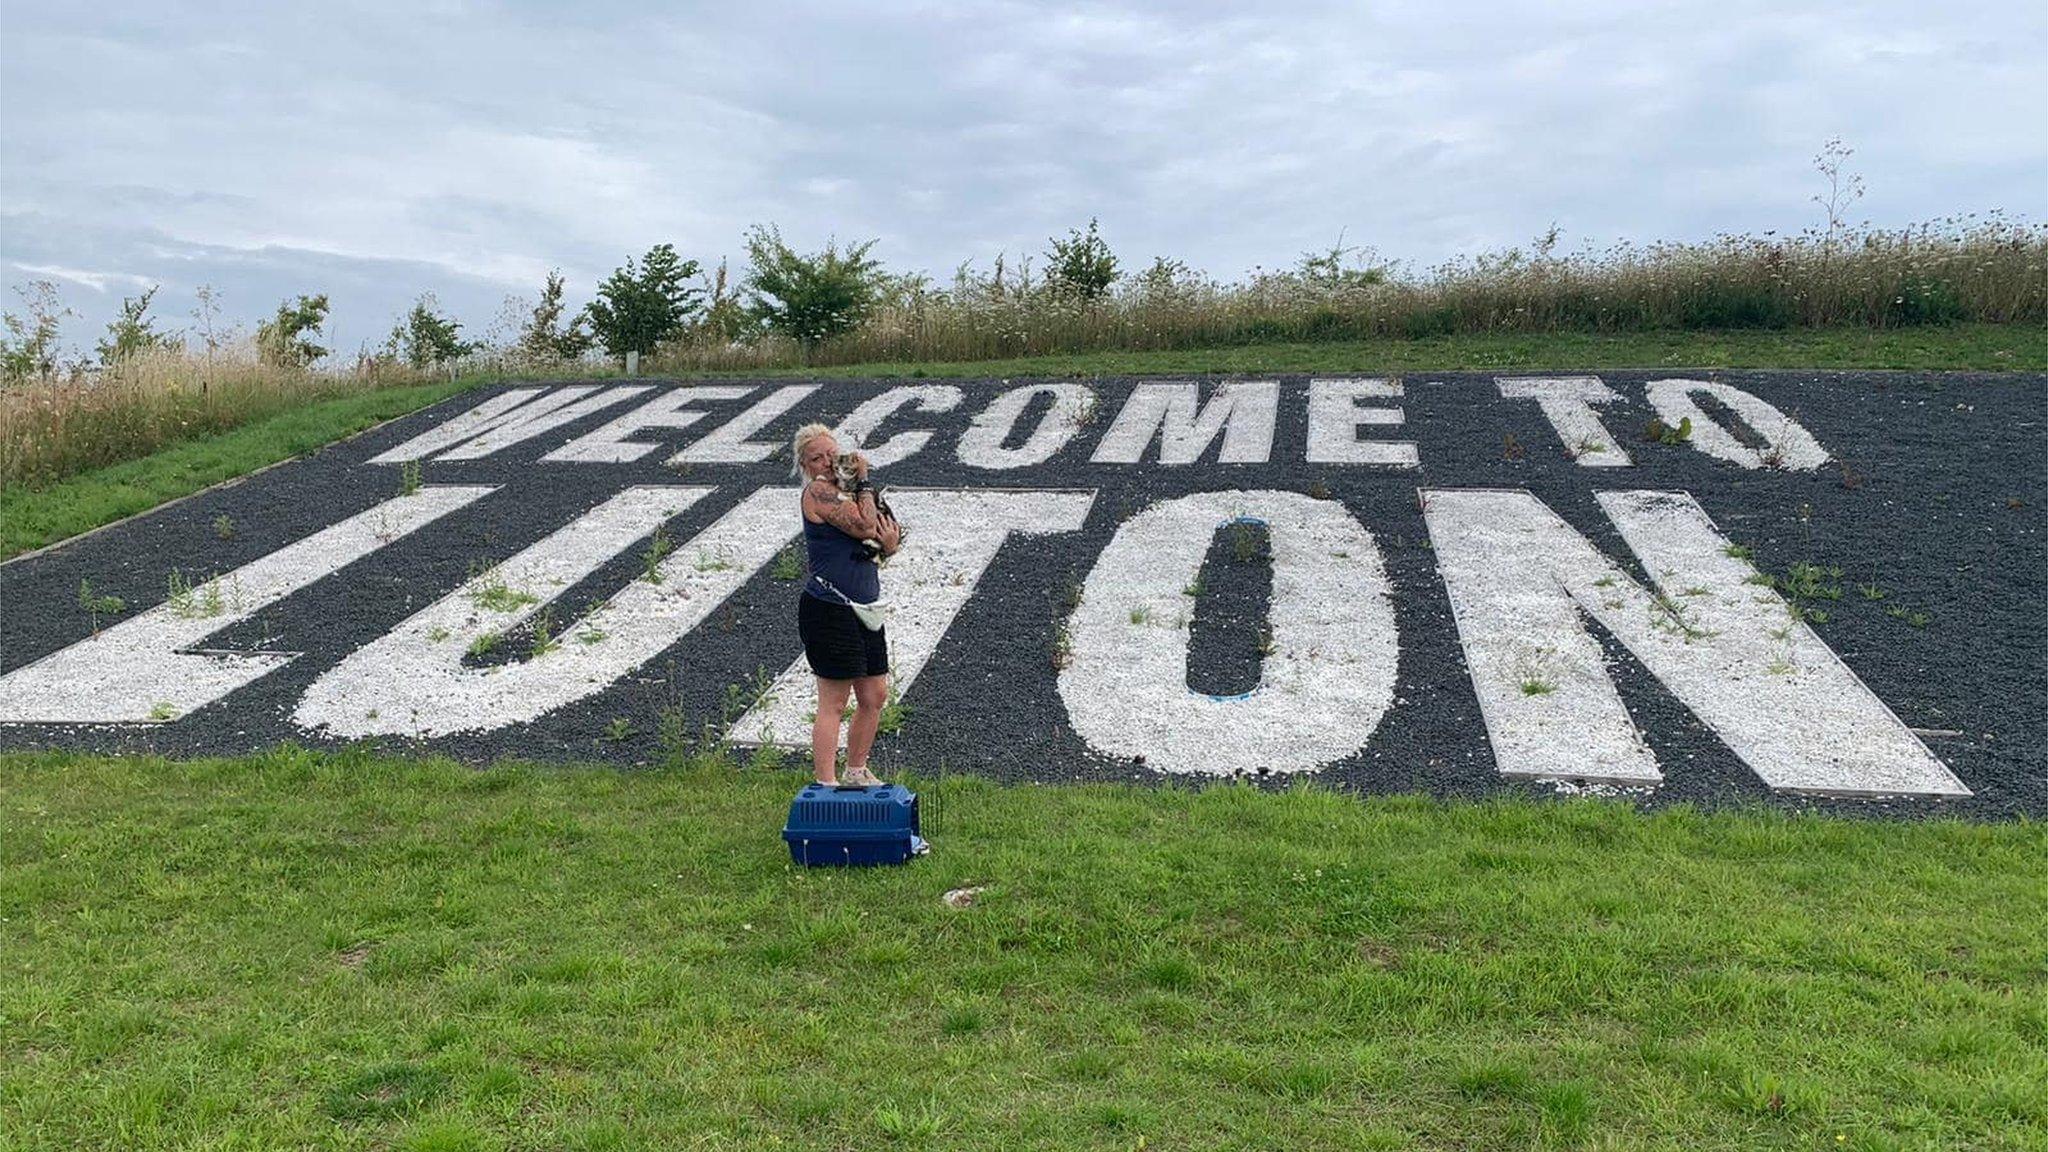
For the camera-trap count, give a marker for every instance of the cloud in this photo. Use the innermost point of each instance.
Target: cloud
(468, 148)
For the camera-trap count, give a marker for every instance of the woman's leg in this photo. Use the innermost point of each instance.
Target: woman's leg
(825, 729)
(870, 693)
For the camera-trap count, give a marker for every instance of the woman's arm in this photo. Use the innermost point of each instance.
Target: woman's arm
(857, 518)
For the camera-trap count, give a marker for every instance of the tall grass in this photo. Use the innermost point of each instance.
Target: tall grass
(58, 426)
(1979, 269)
(1971, 268)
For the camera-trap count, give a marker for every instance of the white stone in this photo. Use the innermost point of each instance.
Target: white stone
(672, 408)
(954, 534)
(1519, 579)
(728, 443)
(148, 668)
(1243, 411)
(505, 419)
(1335, 414)
(1322, 689)
(1567, 402)
(1787, 445)
(414, 682)
(862, 422)
(981, 446)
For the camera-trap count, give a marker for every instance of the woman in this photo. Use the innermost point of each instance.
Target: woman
(845, 655)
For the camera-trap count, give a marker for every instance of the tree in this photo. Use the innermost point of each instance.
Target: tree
(285, 340)
(29, 350)
(426, 337)
(639, 306)
(541, 338)
(1081, 266)
(809, 298)
(134, 331)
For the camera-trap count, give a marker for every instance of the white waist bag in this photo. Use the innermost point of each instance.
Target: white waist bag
(872, 615)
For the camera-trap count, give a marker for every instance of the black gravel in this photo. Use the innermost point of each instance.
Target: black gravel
(1939, 496)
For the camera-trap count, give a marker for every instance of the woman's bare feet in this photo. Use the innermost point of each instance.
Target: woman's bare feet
(860, 776)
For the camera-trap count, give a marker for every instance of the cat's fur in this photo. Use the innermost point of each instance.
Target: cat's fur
(843, 474)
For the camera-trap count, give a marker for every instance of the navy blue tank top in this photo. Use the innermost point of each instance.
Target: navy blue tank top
(833, 555)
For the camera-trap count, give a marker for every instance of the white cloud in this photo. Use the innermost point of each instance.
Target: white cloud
(468, 148)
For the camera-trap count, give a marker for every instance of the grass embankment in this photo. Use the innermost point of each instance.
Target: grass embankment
(32, 517)
(299, 950)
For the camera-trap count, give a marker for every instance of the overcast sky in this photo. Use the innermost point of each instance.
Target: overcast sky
(376, 151)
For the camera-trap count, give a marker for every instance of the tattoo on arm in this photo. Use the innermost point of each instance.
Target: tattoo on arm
(849, 516)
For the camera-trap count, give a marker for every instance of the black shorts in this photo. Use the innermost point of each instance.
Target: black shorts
(837, 644)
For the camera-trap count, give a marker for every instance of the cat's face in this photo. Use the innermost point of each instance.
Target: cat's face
(842, 469)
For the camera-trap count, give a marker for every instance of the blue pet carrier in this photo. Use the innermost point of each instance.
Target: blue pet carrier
(847, 824)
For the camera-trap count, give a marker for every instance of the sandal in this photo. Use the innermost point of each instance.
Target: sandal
(860, 776)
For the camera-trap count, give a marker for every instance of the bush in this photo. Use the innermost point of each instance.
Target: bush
(543, 338)
(426, 337)
(809, 298)
(638, 307)
(286, 339)
(133, 331)
(1081, 266)
(29, 350)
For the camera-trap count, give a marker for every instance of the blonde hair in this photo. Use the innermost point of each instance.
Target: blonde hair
(801, 441)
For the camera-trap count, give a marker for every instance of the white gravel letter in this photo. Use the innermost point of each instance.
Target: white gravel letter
(981, 446)
(148, 668)
(1335, 416)
(1786, 444)
(414, 680)
(863, 421)
(507, 418)
(671, 409)
(728, 443)
(1323, 687)
(1567, 402)
(1519, 579)
(1243, 410)
(951, 535)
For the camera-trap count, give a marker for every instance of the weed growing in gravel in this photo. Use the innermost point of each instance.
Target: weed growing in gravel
(437, 633)
(894, 713)
(1668, 614)
(1244, 542)
(1511, 448)
(223, 527)
(1534, 687)
(1658, 432)
(544, 639)
(1141, 614)
(1737, 551)
(618, 729)
(1317, 490)
(163, 710)
(1194, 588)
(658, 549)
(708, 561)
(1912, 618)
(588, 636)
(485, 644)
(789, 564)
(408, 478)
(194, 602)
(1871, 591)
(492, 593)
(98, 606)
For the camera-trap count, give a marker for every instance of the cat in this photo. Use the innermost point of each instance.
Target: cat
(843, 473)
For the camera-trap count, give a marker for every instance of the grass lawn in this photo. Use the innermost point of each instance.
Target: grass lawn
(30, 519)
(1981, 347)
(348, 951)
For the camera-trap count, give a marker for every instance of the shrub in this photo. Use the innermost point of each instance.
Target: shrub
(809, 298)
(1081, 266)
(286, 339)
(425, 337)
(134, 331)
(29, 350)
(639, 306)
(543, 338)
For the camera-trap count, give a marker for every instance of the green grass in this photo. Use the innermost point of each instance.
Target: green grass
(1982, 347)
(301, 950)
(31, 518)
